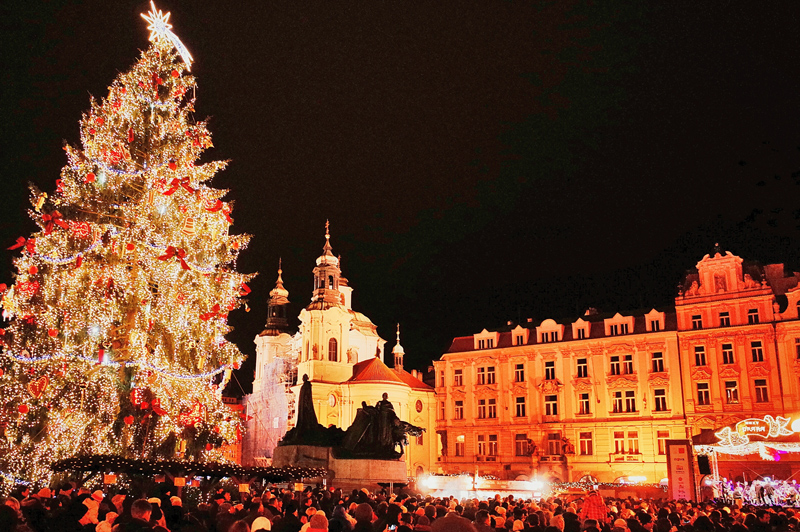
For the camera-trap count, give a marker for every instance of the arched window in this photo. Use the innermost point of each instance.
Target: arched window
(330, 282)
(333, 355)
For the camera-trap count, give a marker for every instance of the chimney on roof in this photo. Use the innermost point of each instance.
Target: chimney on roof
(530, 320)
(509, 322)
(414, 373)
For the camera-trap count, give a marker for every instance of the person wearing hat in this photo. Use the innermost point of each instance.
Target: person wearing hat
(318, 522)
(106, 524)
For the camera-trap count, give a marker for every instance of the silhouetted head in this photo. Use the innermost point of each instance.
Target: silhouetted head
(385, 396)
(305, 377)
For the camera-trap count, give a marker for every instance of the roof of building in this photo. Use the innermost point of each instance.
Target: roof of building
(596, 330)
(374, 370)
(412, 381)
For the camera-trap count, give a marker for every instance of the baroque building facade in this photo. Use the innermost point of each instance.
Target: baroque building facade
(599, 397)
(341, 352)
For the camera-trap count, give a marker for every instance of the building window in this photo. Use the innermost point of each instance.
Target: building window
(727, 354)
(617, 402)
(519, 339)
(481, 408)
(519, 373)
(419, 440)
(630, 401)
(583, 403)
(551, 336)
(660, 400)
(481, 375)
(633, 442)
(752, 316)
(655, 325)
(703, 394)
(697, 321)
(699, 355)
(731, 392)
(458, 377)
(520, 445)
(585, 443)
(441, 410)
(619, 442)
(459, 410)
(492, 413)
(615, 370)
(490, 375)
(492, 445)
(657, 359)
(489, 343)
(550, 370)
(551, 405)
(482, 444)
(661, 437)
(627, 365)
(757, 351)
(481, 344)
(554, 443)
(724, 319)
(583, 368)
(460, 446)
(797, 347)
(332, 350)
(761, 391)
(441, 379)
(581, 334)
(519, 403)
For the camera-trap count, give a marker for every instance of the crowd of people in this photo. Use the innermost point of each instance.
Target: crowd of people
(760, 492)
(68, 509)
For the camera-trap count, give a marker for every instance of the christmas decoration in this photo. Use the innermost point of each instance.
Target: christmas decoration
(106, 352)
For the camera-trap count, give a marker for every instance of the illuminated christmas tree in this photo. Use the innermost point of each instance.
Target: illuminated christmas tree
(118, 315)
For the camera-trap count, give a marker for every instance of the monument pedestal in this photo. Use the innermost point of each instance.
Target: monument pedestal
(343, 473)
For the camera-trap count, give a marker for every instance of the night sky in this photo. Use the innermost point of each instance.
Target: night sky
(479, 161)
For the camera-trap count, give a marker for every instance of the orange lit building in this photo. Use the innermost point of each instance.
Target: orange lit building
(598, 397)
(740, 349)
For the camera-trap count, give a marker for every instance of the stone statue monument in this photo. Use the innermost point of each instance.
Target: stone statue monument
(377, 431)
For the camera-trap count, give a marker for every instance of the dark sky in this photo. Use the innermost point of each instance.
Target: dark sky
(479, 161)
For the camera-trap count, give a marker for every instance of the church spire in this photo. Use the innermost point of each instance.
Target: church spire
(277, 322)
(398, 351)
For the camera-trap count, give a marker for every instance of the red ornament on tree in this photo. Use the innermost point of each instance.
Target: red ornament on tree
(128, 420)
(52, 333)
(23, 409)
(209, 447)
(175, 74)
(90, 177)
(33, 270)
(99, 121)
(173, 165)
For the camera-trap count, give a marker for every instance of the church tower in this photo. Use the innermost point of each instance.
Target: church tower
(326, 277)
(277, 305)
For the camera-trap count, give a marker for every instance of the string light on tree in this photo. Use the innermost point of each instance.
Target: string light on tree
(125, 290)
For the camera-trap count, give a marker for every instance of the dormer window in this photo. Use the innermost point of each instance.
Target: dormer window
(519, 335)
(580, 329)
(549, 331)
(581, 334)
(485, 340)
(654, 321)
(618, 325)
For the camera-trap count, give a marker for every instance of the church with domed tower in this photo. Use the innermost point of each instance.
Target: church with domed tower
(342, 353)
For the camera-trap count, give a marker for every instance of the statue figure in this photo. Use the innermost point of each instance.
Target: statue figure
(386, 419)
(306, 416)
(362, 433)
(308, 431)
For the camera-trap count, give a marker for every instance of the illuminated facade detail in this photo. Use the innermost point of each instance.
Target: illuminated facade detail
(342, 354)
(614, 389)
(750, 321)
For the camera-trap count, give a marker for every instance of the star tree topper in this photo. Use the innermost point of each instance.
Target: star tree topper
(160, 28)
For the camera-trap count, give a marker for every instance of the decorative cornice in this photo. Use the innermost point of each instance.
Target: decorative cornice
(582, 384)
(550, 386)
(621, 381)
(758, 369)
(729, 371)
(701, 373)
